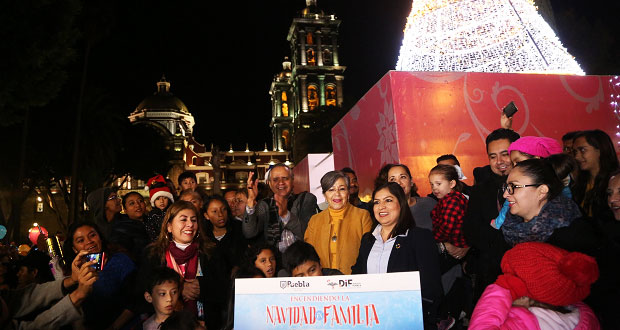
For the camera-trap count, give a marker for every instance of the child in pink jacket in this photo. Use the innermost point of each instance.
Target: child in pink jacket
(541, 288)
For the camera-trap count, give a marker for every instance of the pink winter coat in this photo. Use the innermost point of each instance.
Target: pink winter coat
(494, 310)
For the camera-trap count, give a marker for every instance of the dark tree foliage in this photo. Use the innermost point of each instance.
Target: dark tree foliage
(38, 38)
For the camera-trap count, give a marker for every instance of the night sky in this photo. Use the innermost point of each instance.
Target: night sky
(220, 60)
(220, 57)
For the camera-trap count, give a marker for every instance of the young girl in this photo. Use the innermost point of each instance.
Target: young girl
(447, 218)
(229, 243)
(161, 199)
(263, 257)
(449, 212)
(542, 288)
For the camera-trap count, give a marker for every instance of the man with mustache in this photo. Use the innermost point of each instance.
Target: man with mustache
(282, 219)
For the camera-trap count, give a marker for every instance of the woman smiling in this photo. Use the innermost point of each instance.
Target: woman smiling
(396, 245)
(108, 299)
(183, 246)
(335, 233)
(539, 213)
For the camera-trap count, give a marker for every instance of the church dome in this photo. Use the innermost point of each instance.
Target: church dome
(162, 100)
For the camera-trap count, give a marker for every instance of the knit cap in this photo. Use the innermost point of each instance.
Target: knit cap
(157, 187)
(538, 146)
(547, 273)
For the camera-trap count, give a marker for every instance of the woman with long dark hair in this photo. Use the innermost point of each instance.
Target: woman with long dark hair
(596, 156)
(230, 244)
(410, 248)
(183, 246)
(109, 297)
(420, 206)
(225, 232)
(127, 232)
(540, 213)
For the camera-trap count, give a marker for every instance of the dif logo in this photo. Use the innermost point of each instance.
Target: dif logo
(345, 283)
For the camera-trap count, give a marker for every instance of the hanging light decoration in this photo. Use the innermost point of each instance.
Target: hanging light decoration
(482, 36)
(614, 101)
(35, 231)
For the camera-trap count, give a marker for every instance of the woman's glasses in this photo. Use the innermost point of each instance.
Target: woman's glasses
(510, 187)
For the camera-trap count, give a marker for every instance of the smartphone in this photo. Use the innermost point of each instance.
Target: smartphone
(98, 258)
(252, 179)
(510, 109)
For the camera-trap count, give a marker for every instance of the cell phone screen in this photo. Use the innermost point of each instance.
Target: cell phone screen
(98, 258)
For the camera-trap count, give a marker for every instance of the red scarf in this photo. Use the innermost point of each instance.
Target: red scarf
(184, 262)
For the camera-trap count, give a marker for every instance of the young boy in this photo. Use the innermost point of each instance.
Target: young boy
(302, 260)
(163, 292)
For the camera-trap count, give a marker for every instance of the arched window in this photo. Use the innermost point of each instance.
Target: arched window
(284, 109)
(327, 57)
(194, 160)
(285, 139)
(313, 97)
(330, 95)
(311, 56)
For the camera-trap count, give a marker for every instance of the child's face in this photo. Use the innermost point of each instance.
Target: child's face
(217, 214)
(440, 186)
(161, 202)
(164, 297)
(308, 268)
(188, 183)
(266, 262)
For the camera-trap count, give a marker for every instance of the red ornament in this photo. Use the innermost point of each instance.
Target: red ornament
(33, 233)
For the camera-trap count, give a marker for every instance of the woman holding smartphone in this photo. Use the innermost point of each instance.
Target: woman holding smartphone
(105, 307)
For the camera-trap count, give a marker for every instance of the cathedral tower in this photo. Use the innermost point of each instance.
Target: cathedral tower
(313, 80)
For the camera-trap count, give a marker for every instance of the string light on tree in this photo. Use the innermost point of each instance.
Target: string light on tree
(482, 36)
(614, 100)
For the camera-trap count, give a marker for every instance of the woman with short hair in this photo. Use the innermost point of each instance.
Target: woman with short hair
(335, 233)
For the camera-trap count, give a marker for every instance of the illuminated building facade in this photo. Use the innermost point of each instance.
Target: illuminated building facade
(169, 116)
(310, 86)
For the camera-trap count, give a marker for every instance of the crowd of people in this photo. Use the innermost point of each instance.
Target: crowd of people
(534, 243)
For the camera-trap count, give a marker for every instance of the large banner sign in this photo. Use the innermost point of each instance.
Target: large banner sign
(377, 301)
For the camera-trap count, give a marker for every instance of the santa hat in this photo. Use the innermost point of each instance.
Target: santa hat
(156, 186)
(547, 273)
(538, 146)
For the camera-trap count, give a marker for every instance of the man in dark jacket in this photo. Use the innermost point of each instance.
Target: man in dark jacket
(485, 201)
(282, 219)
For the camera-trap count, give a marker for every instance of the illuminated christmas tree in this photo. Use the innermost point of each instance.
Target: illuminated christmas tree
(481, 36)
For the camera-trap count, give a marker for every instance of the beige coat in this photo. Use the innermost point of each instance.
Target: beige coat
(356, 222)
